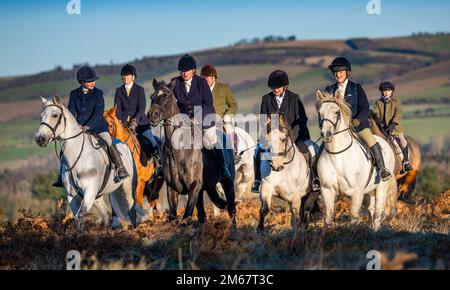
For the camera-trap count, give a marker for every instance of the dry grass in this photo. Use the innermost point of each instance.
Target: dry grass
(417, 238)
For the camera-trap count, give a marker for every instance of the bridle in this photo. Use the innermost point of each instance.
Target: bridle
(335, 124)
(63, 141)
(285, 152)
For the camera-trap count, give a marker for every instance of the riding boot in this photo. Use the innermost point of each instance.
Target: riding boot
(220, 155)
(59, 182)
(257, 168)
(406, 165)
(379, 160)
(121, 171)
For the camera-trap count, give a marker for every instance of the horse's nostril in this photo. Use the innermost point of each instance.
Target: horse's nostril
(328, 134)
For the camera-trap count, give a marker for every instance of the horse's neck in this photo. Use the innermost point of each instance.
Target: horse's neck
(340, 141)
(74, 146)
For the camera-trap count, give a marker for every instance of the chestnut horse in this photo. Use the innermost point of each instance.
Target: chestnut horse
(145, 172)
(406, 181)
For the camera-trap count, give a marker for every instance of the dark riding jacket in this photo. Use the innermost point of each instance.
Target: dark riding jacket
(199, 96)
(357, 98)
(132, 106)
(292, 109)
(88, 109)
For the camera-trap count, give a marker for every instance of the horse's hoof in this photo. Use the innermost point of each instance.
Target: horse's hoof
(172, 218)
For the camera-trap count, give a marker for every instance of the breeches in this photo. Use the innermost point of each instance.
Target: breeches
(105, 137)
(367, 136)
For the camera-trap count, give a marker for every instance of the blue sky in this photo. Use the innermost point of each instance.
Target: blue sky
(39, 35)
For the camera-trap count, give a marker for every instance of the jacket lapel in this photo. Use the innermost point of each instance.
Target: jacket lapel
(274, 103)
(285, 102)
(193, 90)
(183, 87)
(349, 88)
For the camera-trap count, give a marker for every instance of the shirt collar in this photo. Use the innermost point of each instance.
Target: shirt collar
(344, 85)
(212, 87)
(189, 82)
(129, 86)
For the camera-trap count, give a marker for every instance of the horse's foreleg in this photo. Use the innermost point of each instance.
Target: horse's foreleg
(75, 204)
(266, 200)
(228, 188)
(194, 191)
(140, 191)
(404, 188)
(357, 198)
(328, 199)
(380, 204)
(172, 199)
(201, 214)
(294, 206)
(103, 210)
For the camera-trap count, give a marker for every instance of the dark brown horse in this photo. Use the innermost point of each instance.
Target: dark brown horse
(187, 168)
(406, 180)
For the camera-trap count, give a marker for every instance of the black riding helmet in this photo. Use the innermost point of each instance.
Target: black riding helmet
(187, 62)
(340, 63)
(86, 74)
(386, 85)
(128, 69)
(278, 79)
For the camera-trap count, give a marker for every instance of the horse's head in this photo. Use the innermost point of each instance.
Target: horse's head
(163, 103)
(276, 138)
(334, 113)
(116, 128)
(53, 121)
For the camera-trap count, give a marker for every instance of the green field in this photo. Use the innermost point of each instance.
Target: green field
(61, 88)
(424, 129)
(432, 94)
(17, 140)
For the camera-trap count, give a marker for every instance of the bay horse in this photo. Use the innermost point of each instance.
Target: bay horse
(86, 172)
(187, 168)
(345, 166)
(406, 181)
(145, 172)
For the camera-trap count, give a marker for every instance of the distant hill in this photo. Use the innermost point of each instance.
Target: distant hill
(417, 63)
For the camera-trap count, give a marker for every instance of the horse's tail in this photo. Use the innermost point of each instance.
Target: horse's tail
(215, 198)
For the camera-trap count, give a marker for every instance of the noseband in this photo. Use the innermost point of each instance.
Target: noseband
(335, 124)
(53, 129)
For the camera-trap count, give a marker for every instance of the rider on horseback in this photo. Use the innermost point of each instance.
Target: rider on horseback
(225, 103)
(354, 95)
(281, 101)
(388, 110)
(192, 91)
(87, 105)
(131, 104)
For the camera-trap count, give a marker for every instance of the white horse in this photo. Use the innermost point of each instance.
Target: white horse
(84, 167)
(343, 167)
(284, 170)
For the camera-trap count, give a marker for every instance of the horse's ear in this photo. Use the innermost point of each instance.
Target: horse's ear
(319, 95)
(44, 100)
(155, 84)
(282, 121)
(113, 110)
(171, 84)
(57, 100)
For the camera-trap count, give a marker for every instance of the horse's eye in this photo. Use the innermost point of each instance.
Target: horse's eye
(55, 116)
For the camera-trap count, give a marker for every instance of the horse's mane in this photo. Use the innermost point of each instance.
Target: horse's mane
(344, 106)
